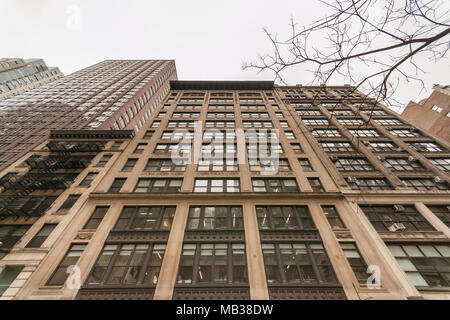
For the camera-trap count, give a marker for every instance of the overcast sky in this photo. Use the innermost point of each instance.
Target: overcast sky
(209, 39)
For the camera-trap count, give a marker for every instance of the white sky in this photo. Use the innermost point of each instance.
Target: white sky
(209, 39)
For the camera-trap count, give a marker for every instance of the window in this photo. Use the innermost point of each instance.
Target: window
(405, 133)
(183, 148)
(423, 184)
(104, 160)
(316, 122)
(316, 185)
(337, 147)
(117, 184)
(215, 218)
(209, 263)
(426, 146)
(129, 165)
(443, 164)
(257, 124)
(297, 262)
(329, 133)
(305, 164)
(140, 148)
(219, 124)
(217, 165)
(400, 164)
(369, 184)
(255, 115)
(67, 205)
(7, 276)
(9, 235)
(284, 217)
(177, 135)
(252, 148)
(116, 145)
(220, 115)
(359, 266)
(148, 134)
(425, 265)
(382, 146)
(442, 212)
(217, 185)
(145, 218)
(436, 108)
(165, 165)
(308, 113)
(290, 135)
(41, 236)
(128, 264)
(351, 122)
(269, 165)
(181, 124)
(389, 122)
(364, 133)
(186, 115)
(96, 217)
(333, 217)
(384, 216)
(88, 179)
(158, 185)
(353, 164)
(297, 147)
(61, 273)
(156, 124)
(275, 185)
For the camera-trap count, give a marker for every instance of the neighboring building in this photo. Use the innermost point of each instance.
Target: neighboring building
(432, 114)
(356, 186)
(113, 94)
(18, 75)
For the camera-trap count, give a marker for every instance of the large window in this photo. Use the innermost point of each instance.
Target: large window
(41, 236)
(213, 263)
(328, 133)
(443, 164)
(165, 165)
(218, 165)
(382, 146)
(275, 185)
(67, 205)
(145, 218)
(215, 218)
(356, 261)
(7, 276)
(88, 179)
(96, 218)
(9, 235)
(393, 217)
(284, 217)
(158, 185)
(426, 146)
(427, 265)
(216, 185)
(129, 165)
(400, 164)
(316, 185)
(117, 184)
(423, 184)
(369, 184)
(405, 133)
(333, 217)
(353, 164)
(337, 147)
(131, 264)
(61, 273)
(364, 133)
(269, 165)
(297, 262)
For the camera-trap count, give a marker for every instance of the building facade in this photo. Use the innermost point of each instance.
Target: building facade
(356, 188)
(113, 94)
(433, 113)
(19, 75)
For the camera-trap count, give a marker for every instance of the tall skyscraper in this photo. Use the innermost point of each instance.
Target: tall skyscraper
(433, 113)
(233, 190)
(18, 75)
(113, 94)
